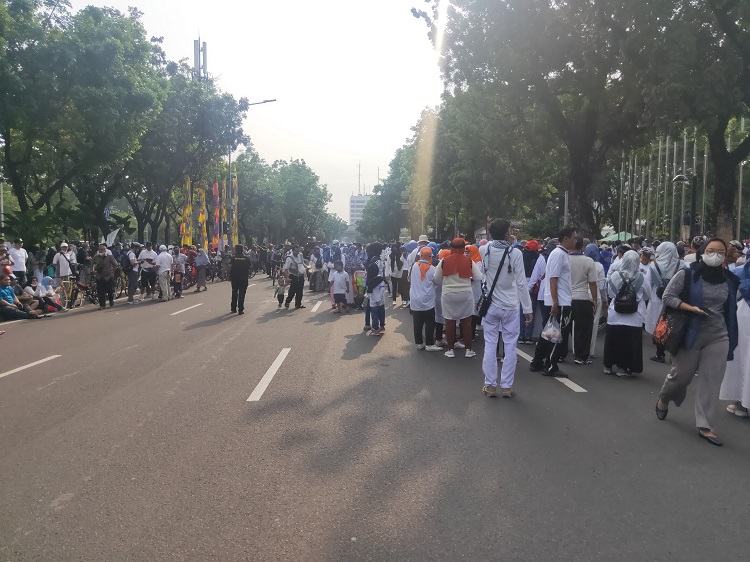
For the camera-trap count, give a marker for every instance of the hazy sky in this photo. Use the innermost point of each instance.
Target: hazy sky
(351, 76)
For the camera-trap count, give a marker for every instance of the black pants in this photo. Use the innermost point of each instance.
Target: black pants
(424, 321)
(547, 354)
(239, 288)
(148, 280)
(439, 331)
(296, 286)
(105, 289)
(400, 287)
(20, 277)
(583, 320)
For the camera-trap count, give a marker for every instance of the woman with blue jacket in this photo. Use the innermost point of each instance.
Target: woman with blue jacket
(708, 292)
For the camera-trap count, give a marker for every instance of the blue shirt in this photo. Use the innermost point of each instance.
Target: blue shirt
(7, 294)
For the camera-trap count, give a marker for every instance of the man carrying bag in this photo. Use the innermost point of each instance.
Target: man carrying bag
(504, 265)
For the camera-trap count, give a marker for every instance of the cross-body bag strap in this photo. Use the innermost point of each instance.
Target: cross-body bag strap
(499, 268)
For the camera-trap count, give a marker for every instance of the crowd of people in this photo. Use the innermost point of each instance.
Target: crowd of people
(556, 294)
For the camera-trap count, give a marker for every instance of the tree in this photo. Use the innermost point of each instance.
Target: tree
(76, 94)
(567, 58)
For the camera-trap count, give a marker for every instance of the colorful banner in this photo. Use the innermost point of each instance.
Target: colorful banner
(200, 207)
(215, 229)
(186, 222)
(235, 224)
(223, 242)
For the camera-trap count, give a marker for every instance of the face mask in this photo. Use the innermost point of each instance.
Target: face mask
(714, 260)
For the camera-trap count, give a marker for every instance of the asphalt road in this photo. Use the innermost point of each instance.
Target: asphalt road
(138, 443)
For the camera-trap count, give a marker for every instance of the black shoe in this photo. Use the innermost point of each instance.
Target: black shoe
(300, 306)
(535, 367)
(286, 305)
(661, 414)
(553, 371)
(233, 310)
(710, 438)
(241, 312)
(111, 304)
(658, 358)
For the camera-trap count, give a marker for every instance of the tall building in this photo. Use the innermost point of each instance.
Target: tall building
(356, 206)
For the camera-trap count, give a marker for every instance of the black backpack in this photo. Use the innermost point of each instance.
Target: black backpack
(626, 301)
(125, 262)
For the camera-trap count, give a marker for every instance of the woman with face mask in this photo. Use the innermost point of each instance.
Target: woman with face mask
(708, 293)
(44, 293)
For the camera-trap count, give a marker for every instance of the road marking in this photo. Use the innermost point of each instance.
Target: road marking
(253, 285)
(34, 364)
(186, 309)
(11, 322)
(316, 307)
(571, 385)
(567, 382)
(268, 377)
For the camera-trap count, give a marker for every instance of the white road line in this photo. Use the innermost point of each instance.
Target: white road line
(268, 377)
(570, 384)
(253, 285)
(316, 307)
(34, 364)
(10, 322)
(186, 309)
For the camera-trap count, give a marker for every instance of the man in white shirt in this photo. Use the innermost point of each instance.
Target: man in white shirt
(133, 273)
(147, 260)
(505, 263)
(164, 271)
(19, 257)
(558, 299)
(583, 279)
(294, 270)
(63, 261)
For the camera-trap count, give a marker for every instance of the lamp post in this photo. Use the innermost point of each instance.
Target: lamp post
(693, 179)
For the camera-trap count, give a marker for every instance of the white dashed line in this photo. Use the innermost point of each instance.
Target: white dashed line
(268, 377)
(316, 307)
(186, 309)
(34, 364)
(567, 382)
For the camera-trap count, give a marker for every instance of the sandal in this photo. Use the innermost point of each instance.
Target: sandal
(661, 414)
(713, 439)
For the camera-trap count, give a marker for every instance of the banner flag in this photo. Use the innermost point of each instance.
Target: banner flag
(186, 224)
(215, 229)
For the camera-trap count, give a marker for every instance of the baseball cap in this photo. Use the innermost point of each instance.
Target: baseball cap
(64, 245)
(532, 245)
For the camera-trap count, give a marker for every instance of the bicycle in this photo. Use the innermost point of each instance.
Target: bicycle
(74, 293)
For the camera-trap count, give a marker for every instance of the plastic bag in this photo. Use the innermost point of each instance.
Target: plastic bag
(552, 332)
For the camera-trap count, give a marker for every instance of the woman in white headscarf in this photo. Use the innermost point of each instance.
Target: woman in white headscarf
(660, 271)
(623, 344)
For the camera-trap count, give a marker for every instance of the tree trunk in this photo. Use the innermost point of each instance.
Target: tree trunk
(725, 179)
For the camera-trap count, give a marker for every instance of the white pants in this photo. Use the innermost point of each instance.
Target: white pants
(594, 332)
(163, 278)
(508, 323)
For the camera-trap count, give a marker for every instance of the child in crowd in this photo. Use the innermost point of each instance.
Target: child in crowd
(376, 294)
(339, 280)
(280, 291)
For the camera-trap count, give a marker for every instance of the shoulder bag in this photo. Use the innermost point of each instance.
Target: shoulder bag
(483, 305)
(673, 323)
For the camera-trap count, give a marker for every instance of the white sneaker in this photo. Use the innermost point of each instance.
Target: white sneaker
(459, 345)
(420, 346)
(433, 348)
(441, 343)
(471, 353)
(450, 353)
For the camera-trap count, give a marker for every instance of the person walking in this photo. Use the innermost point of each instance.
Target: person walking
(504, 268)
(558, 300)
(104, 266)
(239, 275)
(395, 271)
(707, 292)
(422, 301)
(201, 264)
(134, 272)
(63, 263)
(376, 298)
(294, 272)
(455, 273)
(623, 342)
(592, 251)
(147, 260)
(660, 272)
(585, 292)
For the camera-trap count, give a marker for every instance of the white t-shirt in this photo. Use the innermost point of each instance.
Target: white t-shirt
(179, 262)
(377, 297)
(147, 255)
(512, 287)
(19, 258)
(422, 291)
(295, 264)
(132, 257)
(164, 262)
(558, 266)
(62, 264)
(339, 280)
